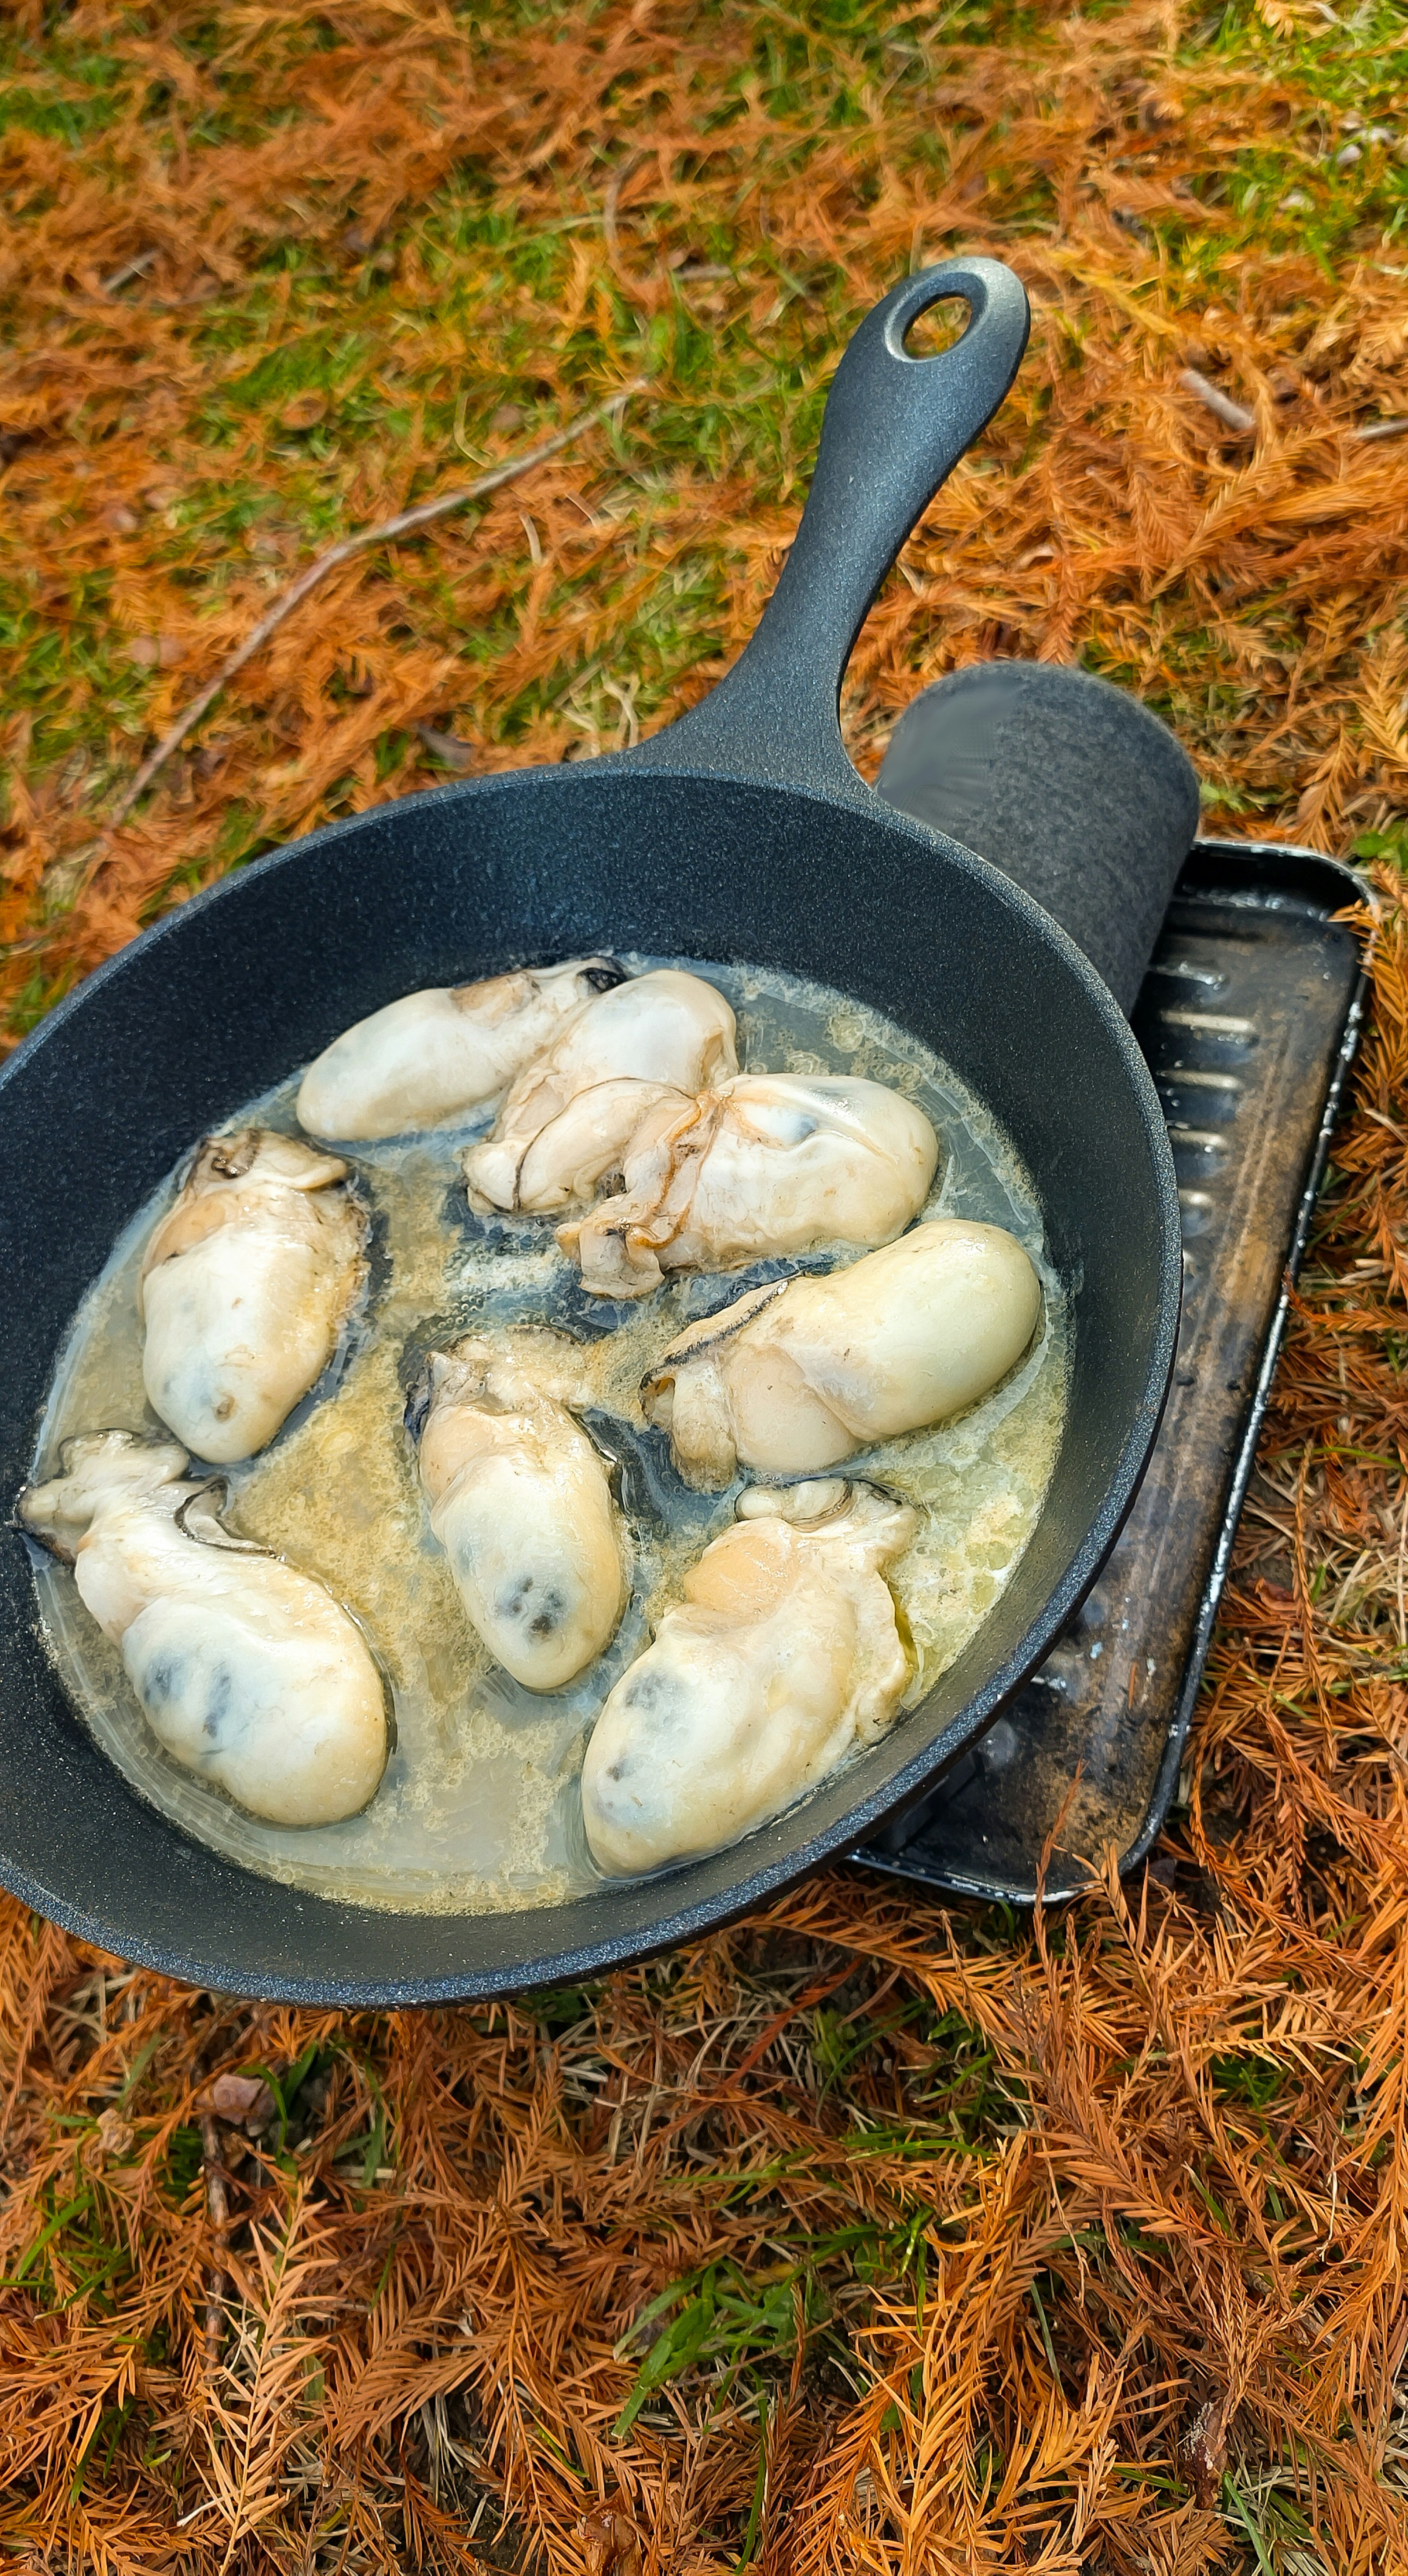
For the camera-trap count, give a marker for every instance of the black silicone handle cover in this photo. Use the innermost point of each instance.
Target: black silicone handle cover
(1070, 786)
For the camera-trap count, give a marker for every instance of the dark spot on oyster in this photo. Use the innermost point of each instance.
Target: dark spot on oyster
(542, 1617)
(647, 1691)
(229, 1157)
(162, 1679)
(219, 1698)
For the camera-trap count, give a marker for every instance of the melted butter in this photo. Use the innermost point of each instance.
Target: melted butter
(479, 1809)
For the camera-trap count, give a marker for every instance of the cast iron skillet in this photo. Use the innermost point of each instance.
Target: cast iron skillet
(741, 832)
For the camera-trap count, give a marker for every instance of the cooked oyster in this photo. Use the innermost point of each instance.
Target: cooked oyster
(434, 1056)
(245, 1287)
(249, 1673)
(570, 1157)
(520, 1502)
(764, 1164)
(666, 1028)
(784, 1656)
(798, 1375)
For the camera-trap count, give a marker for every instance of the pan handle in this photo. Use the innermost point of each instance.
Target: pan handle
(894, 428)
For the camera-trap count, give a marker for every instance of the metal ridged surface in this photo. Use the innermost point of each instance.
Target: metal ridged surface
(1248, 1019)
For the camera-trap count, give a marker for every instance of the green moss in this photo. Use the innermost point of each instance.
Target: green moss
(419, 335)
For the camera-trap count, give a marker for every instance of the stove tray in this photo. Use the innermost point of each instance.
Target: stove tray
(1248, 1017)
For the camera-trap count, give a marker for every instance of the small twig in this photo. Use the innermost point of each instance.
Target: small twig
(218, 2205)
(402, 526)
(447, 747)
(1234, 415)
(130, 268)
(1223, 408)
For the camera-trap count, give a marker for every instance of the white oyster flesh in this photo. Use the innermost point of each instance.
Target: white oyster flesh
(783, 1657)
(764, 1164)
(797, 1376)
(435, 1056)
(246, 1285)
(573, 1154)
(249, 1673)
(666, 1028)
(520, 1502)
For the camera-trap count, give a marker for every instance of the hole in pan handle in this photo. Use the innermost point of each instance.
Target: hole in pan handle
(894, 428)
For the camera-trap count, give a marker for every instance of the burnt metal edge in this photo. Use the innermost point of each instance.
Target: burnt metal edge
(1357, 889)
(1312, 865)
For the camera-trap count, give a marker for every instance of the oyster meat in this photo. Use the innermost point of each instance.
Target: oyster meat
(667, 1031)
(245, 1287)
(573, 1154)
(784, 1655)
(435, 1056)
(798, 1375)
(763, 1164)
(250, 1674)
(520, 1502)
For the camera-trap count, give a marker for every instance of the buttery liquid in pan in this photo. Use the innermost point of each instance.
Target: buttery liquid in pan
(479, 1809)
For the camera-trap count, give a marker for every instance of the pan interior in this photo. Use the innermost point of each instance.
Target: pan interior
(222, 1001)
(479, 1807)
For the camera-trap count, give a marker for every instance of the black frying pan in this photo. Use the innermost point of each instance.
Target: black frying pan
(741, 832)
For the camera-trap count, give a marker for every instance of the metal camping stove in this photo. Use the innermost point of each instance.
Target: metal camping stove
(1248, 1017)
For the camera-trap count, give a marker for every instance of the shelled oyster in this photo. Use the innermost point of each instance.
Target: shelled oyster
(764, 1164)
(798, 1375)
(783, 1657)
(249, 1673)
(570, 1157)
(437, 1055)
(245, 1287)
(520, 1502)
(664, 1032)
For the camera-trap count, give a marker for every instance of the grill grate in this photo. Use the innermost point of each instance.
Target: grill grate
(1248, 1018)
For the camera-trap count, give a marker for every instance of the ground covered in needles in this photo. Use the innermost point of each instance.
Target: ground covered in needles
(872, 2236)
